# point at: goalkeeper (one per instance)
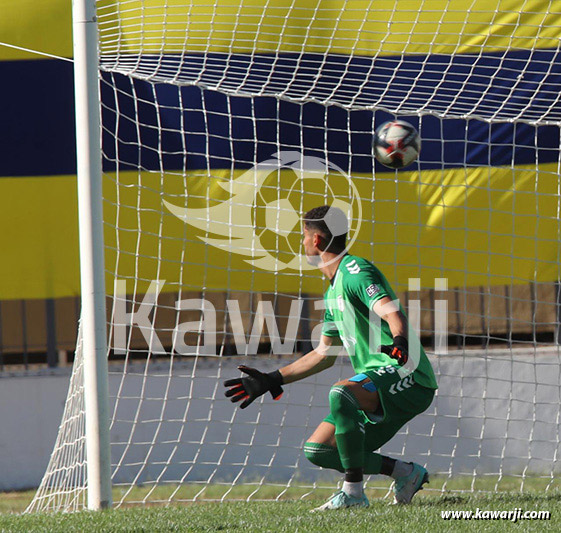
(392, 383)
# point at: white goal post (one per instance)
(205, 130)
(92, 267)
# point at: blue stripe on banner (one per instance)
(506, 83)
(37, 136)
(232, 123)
(38, 122)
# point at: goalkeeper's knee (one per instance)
(345, 410)
(349, 426)
(323, 455)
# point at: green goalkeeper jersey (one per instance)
(349, 314)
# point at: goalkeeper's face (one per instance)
(310, 243)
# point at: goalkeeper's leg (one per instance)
(321, 450)
(339, 442)
(347, 400)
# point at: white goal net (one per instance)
(222, 123)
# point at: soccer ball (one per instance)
(396, 144)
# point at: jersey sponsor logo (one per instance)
(352, 267)
(401, 385)
(373, 289)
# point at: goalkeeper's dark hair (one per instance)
(332, 225)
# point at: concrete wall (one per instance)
(493, 413)
(30, 411)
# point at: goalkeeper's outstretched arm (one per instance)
(311, 363)
(249, 388)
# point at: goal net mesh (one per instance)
(222, 123)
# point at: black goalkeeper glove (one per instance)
(254, 385)
(399, 350)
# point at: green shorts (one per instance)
(401, 399)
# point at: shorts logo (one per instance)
(401, 385)
(371, 290)
(385, 370)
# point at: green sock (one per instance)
(328, 457)
(323, 455)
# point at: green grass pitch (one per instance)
(294, 515)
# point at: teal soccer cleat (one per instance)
(341, 500)
(407, 486)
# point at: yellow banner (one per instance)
(338, 27)
(480, 226)
(343, 27)
(45, 26)
(40, 239)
